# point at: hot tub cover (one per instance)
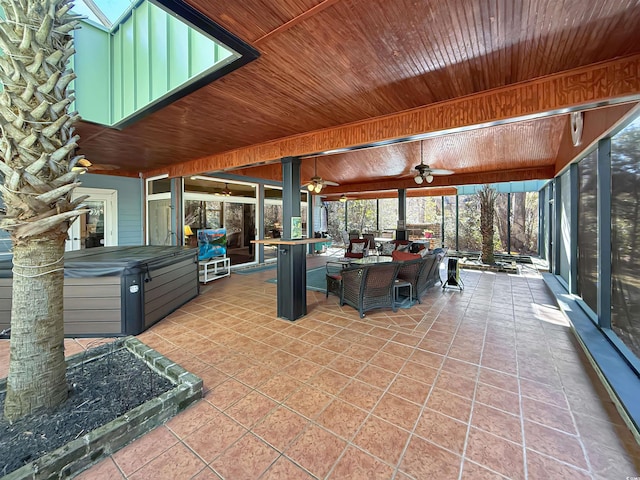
(113, 261)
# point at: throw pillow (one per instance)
(403, 248)
(357, 247)
(424, 252)
(400, 256)
(388, 248)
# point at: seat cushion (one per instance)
(400, 256)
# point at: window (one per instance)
(588, 230)
(625, 232)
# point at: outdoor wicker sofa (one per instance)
(370, 286)
(367, 287)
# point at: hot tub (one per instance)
(111, 291)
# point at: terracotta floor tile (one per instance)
(336, 345)
(461, 386)
(105, 470)
(496, 454)
(174, 464)
(192, 418)
(346, 365)
(227, 393)
(382, 439)
(364, 354)
(328, 381)
(431, 352)
(409, 389)
(279, 387)
(450, 404)
(308, 401)
(419, 372)
(251, 409)
(554, 443)
(554, 417)
(302, 369)
(215, 437)
(543, 393)
(498, 398)
(499, 423)
(358, 465)
(398, 411)
(283, 469)
(423, 459)
(249, 457)
(614, 463)
(541, 467)
(281, 427)
(316, 450)
(207, 474)
(387, 362)
(361, 394)
(342, 418)
(144, 449)
(499, 379)
(402, 351)
(473, 471)
(442, 430)
(458, 367)
(319, 355)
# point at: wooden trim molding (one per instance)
(601, 84)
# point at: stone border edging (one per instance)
(78, 455)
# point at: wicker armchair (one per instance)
(334, 278)
(429, 274)
(363, 251)
(409, 271)
(370, 286)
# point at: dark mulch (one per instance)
(100, 390)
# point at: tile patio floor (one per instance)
(484, 384)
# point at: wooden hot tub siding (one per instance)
(97, 306)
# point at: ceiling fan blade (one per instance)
(440, 171)
(330, 183)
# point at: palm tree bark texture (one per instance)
(487, 208)
(37, 149)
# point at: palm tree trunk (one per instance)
(37, 150)
(37, 367)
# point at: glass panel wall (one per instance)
(469, 237)
(387, 217)
(335, 220)
(424, 218)
(625, 229)
(565, 226)
(361, 216)
(500, 223)
(524, 223)
(588, 230)
(214, 203)
(450, 222)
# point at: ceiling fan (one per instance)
(425, 172)
(317, 183)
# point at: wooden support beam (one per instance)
(516, 175)
(607, 83)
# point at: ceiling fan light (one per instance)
(310, 187)
(429, 178)
(418, 179)
(318, 188)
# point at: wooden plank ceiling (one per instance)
(327, 64)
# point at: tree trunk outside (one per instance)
(37, 366)
(487, 207)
